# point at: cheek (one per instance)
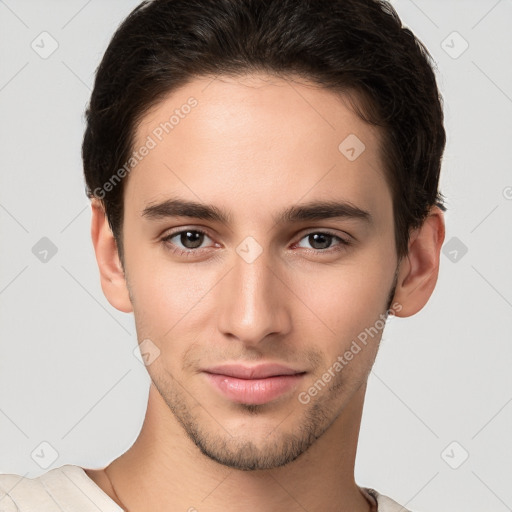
(352, 295)
(170, 302)
(159, 284)
(345, 304)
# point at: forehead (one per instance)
(234, 141)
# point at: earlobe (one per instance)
(419, 270)
(112, 277)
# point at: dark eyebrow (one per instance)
(316, 210)
(319, 210)
(181, 208)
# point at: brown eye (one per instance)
(185, 240)
(321, 241)
(191, 239)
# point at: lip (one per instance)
(260, 371)
(254, 385)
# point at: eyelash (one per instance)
(343, 242)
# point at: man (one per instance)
(264, 185)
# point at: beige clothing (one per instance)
(69, 489)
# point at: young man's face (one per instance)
(258, 289)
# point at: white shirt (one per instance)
(69, 488)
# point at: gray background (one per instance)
(441, 389)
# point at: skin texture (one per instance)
(254, 146)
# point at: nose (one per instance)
(253, 301)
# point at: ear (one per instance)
(113, 282)
(418, 271)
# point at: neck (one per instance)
(164, 470)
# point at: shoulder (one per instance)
(64, 488)
(385, 504)
(19, 492)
